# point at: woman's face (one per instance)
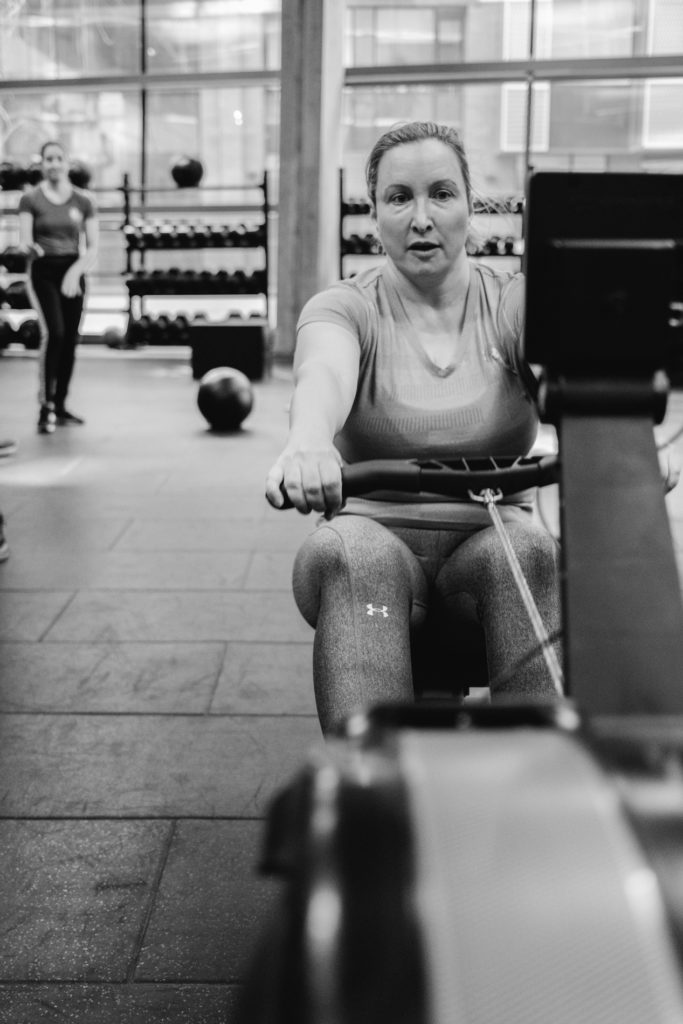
(421, 208)
(54, 162)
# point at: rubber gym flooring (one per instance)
(155, 690)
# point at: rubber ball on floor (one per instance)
(225, 398)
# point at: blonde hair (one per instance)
(416, 131)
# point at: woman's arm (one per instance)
(26, 243)
(326, 366)
(71, 282)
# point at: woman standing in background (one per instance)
(58, 228)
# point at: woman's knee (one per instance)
(480, 565)
(537, 551)
(354, 551)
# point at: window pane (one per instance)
(665, 30)
(101, 128)
(611, 28)
(405, 36)
(43, 39)
(424, 32)
(583, 28)
(233, 132)
(475, 110)
(213, 35)
(620, 125)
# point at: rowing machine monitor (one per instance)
(603, 263)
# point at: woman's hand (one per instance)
(670, 467)
(71, 282)
(32, 250)
(310, 478)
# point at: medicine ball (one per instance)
(187, 172)
(225, 398)
(79, 174)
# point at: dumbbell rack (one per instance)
(355, 244)
(501, 220)
(14, 297)
(233, 341)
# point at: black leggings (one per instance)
(59, 318)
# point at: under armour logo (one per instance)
(382, 610)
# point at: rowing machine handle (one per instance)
(453, 478)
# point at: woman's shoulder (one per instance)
(84, 198)
(30, 197)
(353, 298)
(496, 282)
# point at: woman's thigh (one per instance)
(477, 580)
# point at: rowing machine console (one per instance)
(604, 278)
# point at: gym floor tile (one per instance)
(211, 904)
(39, 566)
(118, 678)
(270, 570)
(170, 570)
(75, 897)
(119, 1004)
(124, 616)
(27, 616)
(62, 518)
(215, 535)
(266, 679)
(139, 766)
(175, 501)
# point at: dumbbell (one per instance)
(28, 333)
(132, 237)
(257, 282)
(158, 332)
(7, 333)
(138, 331)
(13, 260)
(179, 330)
(17, 296)
(149, 236)
(166, 235)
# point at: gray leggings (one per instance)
(367, 589)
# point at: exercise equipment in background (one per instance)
(225, 398)
(28, 333)
(7, 333)
(12, 176)
(80, 174)
(187, 171)
(224, 340)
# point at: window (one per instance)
(662, 122)
(409, 33)
(69, 39)
(513, 117)
(212, 35)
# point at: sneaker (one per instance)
(66, 418)
(7, 448)
(4, 546)
(46, 420)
